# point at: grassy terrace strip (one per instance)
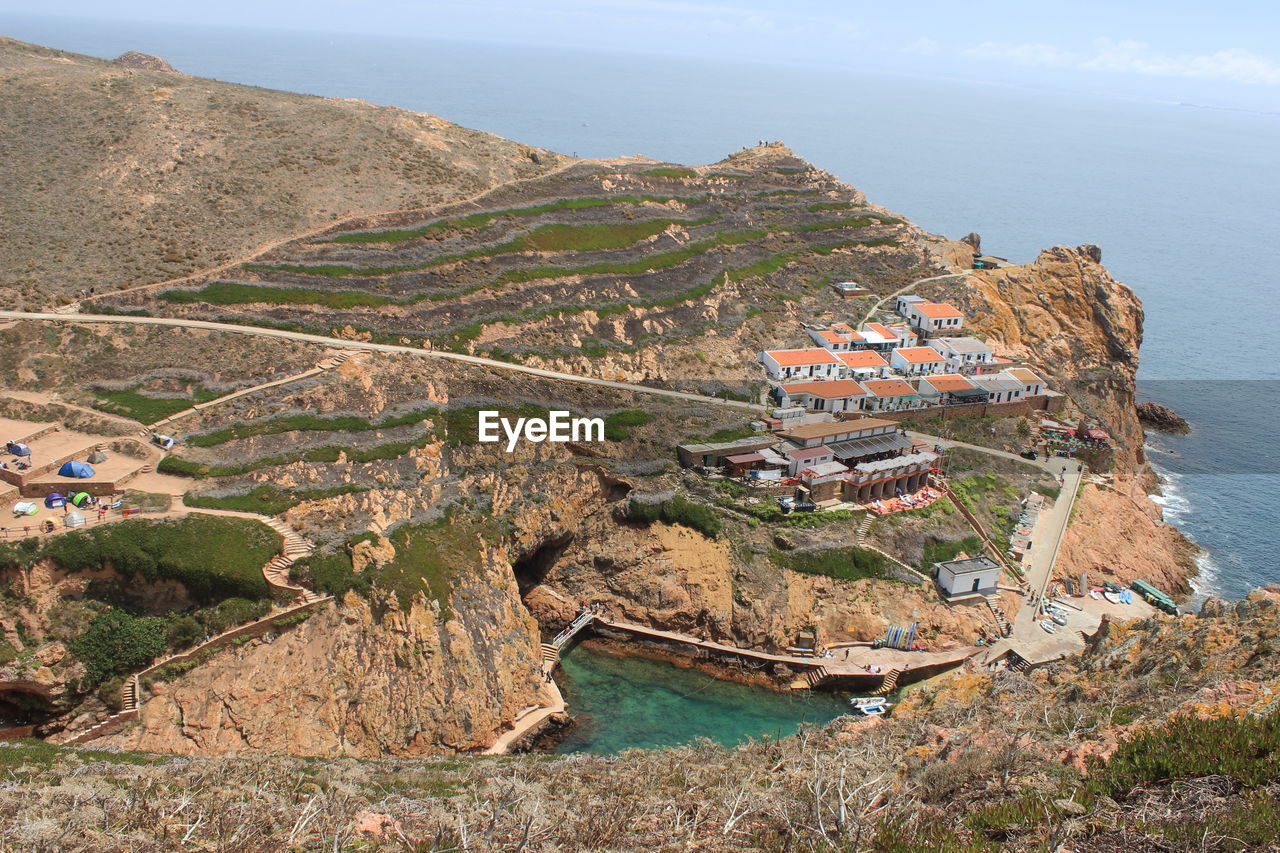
(305, 423)
(546, 238)
(850, 564)
(148, 410)
(236, 293)
(270, 500)
(479, 220)
(391, 450)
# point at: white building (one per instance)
(934, 317)
(841, 395)
(811, 363)
(917, 361)
(967, 577)
(1032, 384)
(962, 352)
(903, 303)
(863, 364)
(999, 387)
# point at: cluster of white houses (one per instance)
(923, 361)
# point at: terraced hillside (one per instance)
(598, 260)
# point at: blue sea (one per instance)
(1183, 200)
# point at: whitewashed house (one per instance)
(933, 318)
(890, 395)
(903, 303)
(916, 361)
(967, 577)
(811, 363)
(841, 395)
(1032, 384)
(999, 387)
(863, 364)
(962, 353)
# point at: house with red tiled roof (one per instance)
(917, 361)
(1031, 383)
(890, 395)
(934, 317)
(809, 363)
(833, 338)
(882, 338)
(863, 364)
(841, 395)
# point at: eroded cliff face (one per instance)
(672, 577)
(1065, 314)
(364, 679)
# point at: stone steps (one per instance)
(890, 682)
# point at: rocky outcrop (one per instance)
(145, 61)
(1162, 418)
(365, 678)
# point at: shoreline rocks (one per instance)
(1159, 417)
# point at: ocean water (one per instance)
(625, 703)
(1182, 200)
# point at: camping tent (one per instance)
(75, 469)
(18, 449)
(96, 456)
(80, 499)
(73, 519)
(53, 500)
(26, 508)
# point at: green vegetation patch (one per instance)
(212, 557)
(391, 450)
(547, 238)
(617, 427)
(238, 293)
(270, 500)
(306, 423)
(479, 220)
(429, 557)
(670, 172)
(848, 564)
(677, 510)
(117, 642)
(148, 410)
(939, 551)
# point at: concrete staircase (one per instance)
(295, 548)
(817, 676)
(1001, 620)
(890, 683)
(550, 656)
(867, 521)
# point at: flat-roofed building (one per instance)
(879, 479)
(968, 577)
(999, 388)
(962, 353)
(1032, 384)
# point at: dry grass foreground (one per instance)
(1129, 748)
(121, 175)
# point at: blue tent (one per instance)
(18, 449)
(53, 500)
(75, 469)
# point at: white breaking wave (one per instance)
(1174, 507)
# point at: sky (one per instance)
(1220, 53)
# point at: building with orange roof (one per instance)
(890, 395)
(949, 388)
(809, 363)
(863, 364)
(1031, 383)
(840, 395)
(934, 317)
(882, 338)
(917, 361)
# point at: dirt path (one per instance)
(883, 299)
(340, 343)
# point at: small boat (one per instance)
(1047, 626)
(1060, 618)
(1111, 596)
(869, 706)
(1093, 593)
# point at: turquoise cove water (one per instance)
(625, 703)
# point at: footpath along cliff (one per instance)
(1067, 316)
